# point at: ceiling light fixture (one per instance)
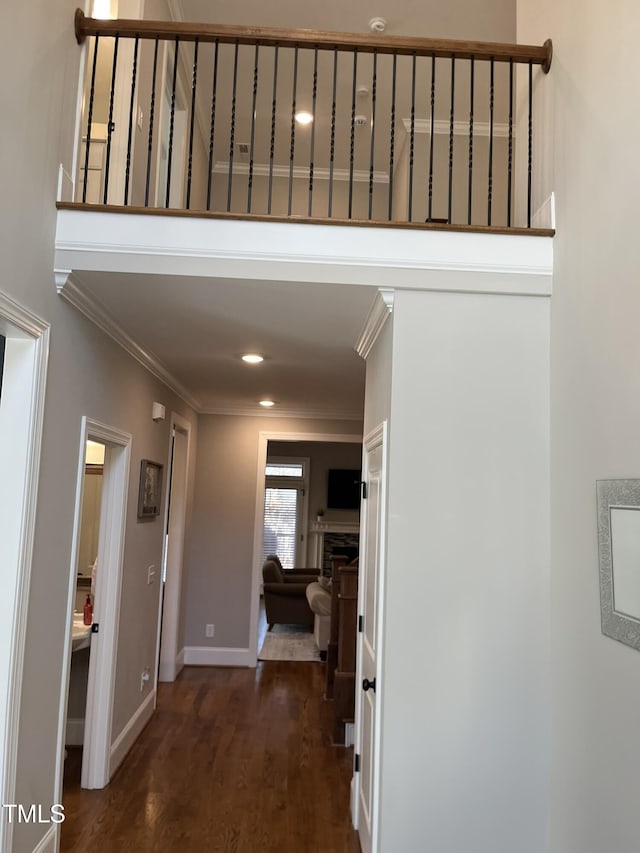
(267, 403)
(304, 117)
(252, 358)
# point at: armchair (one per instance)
(285, 599)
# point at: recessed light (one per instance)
(252, 358)
(267, 403)
(304, 117)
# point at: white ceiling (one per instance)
(198, 327)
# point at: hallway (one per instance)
(235, 760)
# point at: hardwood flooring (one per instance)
(234, 760)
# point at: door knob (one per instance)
(369, 685)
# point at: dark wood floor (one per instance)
(235, 760)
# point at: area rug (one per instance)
(287, 643)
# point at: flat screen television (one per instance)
(343, 490)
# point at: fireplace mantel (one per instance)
(317, 532)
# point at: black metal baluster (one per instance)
(432, 120)
(212, 122)
(332, 151)
(510, 152)
(392, 136)
(110, 126)
(194, 83)
(374, 84)
(313, 128)
(172, 121)
(92, 91)
(293, 128)
(471, 109)
(352, 146)
(412, 136)
(152, 108)
(253, 128)
(451, 132)
(530, 146)
(134, 72)
(273, 127)
(491, 105)
(232, 130)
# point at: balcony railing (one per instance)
(211, 119)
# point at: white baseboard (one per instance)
(545, 215)
(217, 656)
(131, 732)
(74, 735)
(49, 843)
(349, 732)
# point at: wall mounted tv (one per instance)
(343, 491)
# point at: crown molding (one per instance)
(250, 410)
(321, 174)
(379, 313)
(442, 127)
(98, 314)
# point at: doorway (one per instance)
(170, 657)
(96, 757)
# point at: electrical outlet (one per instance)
(151, 574)
(145, 676)
(209, 631)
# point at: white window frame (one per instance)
(272, 481)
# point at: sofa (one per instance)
(285, 599)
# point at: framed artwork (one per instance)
(150, 491)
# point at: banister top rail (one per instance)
(518, 53)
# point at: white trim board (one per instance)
(442, 127)
(49, 843)
(293, 251)
(379, 313)
(26, 360)
(217, 656)
(131, 732)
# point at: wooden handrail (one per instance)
(271, 36)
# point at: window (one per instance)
(284, 511)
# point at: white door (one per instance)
(368, 676)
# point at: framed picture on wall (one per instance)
(150, 491)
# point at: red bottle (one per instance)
(88, 611)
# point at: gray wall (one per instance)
(591, 161)
(221, 552)
(88, 375)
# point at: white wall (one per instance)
(593, 167)
(465, 690)
(88, 375)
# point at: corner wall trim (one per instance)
(216, 656)
(378, 315)
(130, 733)
(88, 305)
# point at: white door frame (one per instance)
(263, 440)
(96, 757)
(21, 420)
(376, 438)
(169, 658)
